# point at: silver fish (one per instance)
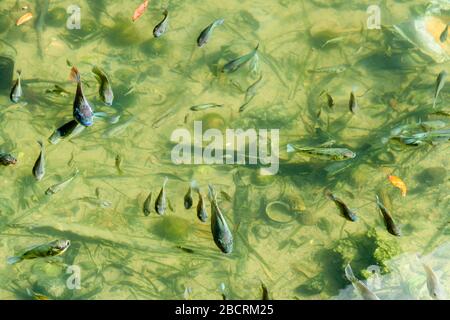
(162, 27)
(105, 90)
(250, 94)
(206, 33)
(206, 106)
(435, 288)
(161, 201)
(440, 82)
(61, 185)
(16, 91)
(362, 289)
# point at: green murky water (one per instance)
(287, 233)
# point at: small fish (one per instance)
(346, 212)
(250, 93)
(362, 289)
(162, 27)
(226, 196)
(61, 185)
(140, 11)
(82, 111)
(388, 220)
(333, 69)
(187, 250)
(435, 289)
(58, 90)
(330, 101)
(353, 104)
(265, 292)
(147, 204)
(118, 163)
(25, 18)
(202, 215)
(336, 154)
(64, 131)
(16, 91)
(161, 201)
(206, 106)
(188, 201)
(115, 130)
(204, 36)
(222, 235)
(39, 165)
(440, 82)
(444, 34)
(397, 182)
(36, 295)
(235, 64)
(105, 90)
(7, 159)
(53, 248)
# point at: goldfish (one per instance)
(397, 182)
(26, 17)
(140, 11)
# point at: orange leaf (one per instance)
(26, 17)
(140, 10)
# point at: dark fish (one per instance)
(440, 82)
(235, 64)
(388, 220)
(222, 235)
(64, 131)
(161, 201)
(147, 204)
(50, 249)
(353, 104)
(105, 90)
(202, 215)
(330, 100)
(265, 292)
(16, 91)
(346, 212)
(39, 165)
(204, 36)
(118, 163)
(162, 27)
(187, 250)
(188, 201)
(444, 34)
(7, 159)
(82, 111)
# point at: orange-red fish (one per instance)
(397, 182)
(140, 10)
(26, 17)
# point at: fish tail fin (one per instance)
(19, 72)
(13, 260)
(219, 22)
(211, 192)
(166, 11)
(290, 148)
(75, 74)
(194, 185)
(349, 273)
